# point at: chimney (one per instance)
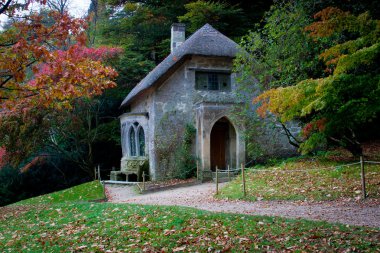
(178, 36)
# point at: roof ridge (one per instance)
(206, 41)
(204, 30)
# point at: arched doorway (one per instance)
(223, 145)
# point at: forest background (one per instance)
(55, 147)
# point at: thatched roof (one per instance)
(207, 41)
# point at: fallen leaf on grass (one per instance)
(242, 239)
(179, 248)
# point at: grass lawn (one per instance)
(64, 222)
(84, 192)
(101, 227)
(285, 181)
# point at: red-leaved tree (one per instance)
(45, 66)
(47, 62)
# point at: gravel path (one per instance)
(201, 196)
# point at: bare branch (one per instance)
(59, 5)
(5, 6)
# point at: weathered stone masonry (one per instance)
(195, 82)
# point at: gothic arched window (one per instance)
(132, 142)
(141, 142)
(136, 140)
(124, 136)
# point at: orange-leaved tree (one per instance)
(344, 106)
(47, 63)
(45, 66)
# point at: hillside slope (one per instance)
(79, 226)
(329, 176)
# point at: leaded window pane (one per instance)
(201, 80)
(132, 142)
(142, 142)
(124, 137)
(224, 82)
(212, 81)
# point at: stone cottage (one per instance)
(196, 84)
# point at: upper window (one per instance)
(212, 81)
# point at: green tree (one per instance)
(145, 25)
(344, 106)
(142, 27)
(75, 136)
(275, 53)
(223, 16)
(278, 53)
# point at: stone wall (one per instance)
(178, 98)
(178, 94)
(273, 141)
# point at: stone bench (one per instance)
(117, 175)
(132, 169)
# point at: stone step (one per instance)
(113, 182)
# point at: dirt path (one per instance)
(201, 197)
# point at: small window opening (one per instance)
(212, 81)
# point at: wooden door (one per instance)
(219, 135)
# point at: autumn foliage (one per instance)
(48, 63)
(2, 156)
(345, 105)
(45, 67)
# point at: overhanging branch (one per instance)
(291, 137)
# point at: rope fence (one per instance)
(372, 162)
(229, 170)
(307, 170)
(303, 170)
(362, 163)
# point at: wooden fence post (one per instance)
(99, 178)
(363, 177)
(143, 178)
(243, 177)
(197, 170)
(217, 186)
(228, 171)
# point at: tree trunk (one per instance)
(355, 149)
